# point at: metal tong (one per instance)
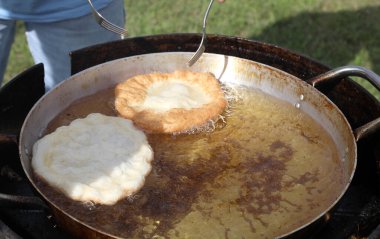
(107, 24)
(202, 45)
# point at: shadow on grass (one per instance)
(333, 38)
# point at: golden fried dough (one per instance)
(170, 102)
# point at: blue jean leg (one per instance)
(7, 35)
(51, 43)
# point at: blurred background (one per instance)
(333, 32)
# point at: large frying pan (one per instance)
(226, 68)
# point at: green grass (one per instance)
(334, 32)
(20, 58)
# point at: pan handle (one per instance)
(347, 71)
(21, 202)
(8, 138)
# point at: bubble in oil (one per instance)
(297, 105)
(132, 198)
(212, 125)
(223, 119)
(302, 97)
(89, 205)
(229, 111)
(209, 127)
(231, 94)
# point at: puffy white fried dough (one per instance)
(98, 158)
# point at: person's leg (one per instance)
(51, 43)
(7, 34)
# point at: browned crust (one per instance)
(132, 92)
